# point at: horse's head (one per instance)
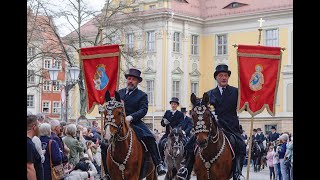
(175, 141)
(114, 115)
(203, 119)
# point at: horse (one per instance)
(173, 152)
(125, 154)
(213, 158)
(256, 154)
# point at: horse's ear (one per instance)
(107, 96)
(117, 96)
(205, 98)
(193, 99)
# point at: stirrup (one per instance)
(182, 173)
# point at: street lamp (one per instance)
(72, 79)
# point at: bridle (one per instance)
(176, 144)
(110, 106)
(109, 119)
(201, 127)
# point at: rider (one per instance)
(259, 138)
(171, 118)
(136, 107)
(273, 136)
(224, 98)
(186, 124)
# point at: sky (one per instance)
(64, 27)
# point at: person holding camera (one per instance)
(72, 140)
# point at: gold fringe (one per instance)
(259, 55)
(100, 55)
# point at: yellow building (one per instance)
(185, 40)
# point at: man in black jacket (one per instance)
(171, 118)
(186, 124)
(273, 136)
(136, 107)
(224, 98)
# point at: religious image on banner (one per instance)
(259, 69)
(101, 72)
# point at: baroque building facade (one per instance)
(184, 41)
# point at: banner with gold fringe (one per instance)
(101, 72)
(259, 70)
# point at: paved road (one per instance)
(262, 175)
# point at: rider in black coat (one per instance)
(136, 107)
(186, 124)
(171, 118)
(224, 98)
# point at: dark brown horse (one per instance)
(125, 153)
(213, 158)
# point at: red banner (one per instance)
(259, 69)
(101, 72)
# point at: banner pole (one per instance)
(102, 122)
(249, 152)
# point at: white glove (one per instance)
(184, 133)
(129, 118)
(166, 122)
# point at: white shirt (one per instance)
(79, 175)
(38, 145)
(131, 91)
(173, 111)
(220, 89)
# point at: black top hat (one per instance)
(183, 109)
(174, 99)
(222, 68)
(134, 72)
(273, 127)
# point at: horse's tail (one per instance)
(174, 171)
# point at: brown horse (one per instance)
(125, 154)
(213, 158)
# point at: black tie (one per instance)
(223, 89)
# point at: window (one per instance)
(195, 88)
(112, 39)
(272, 37)
(56, 107)
(150, 91)
(234, 5)
(268, 128)
(31, 51)
(150, 41)
(194, 44)
(30, 76)
(221, 44)
(176, 42)
(57, 64)
(176, 89)
(46, 107)
(135, 9)
(30, 100)
(130, 42)
(46, 86)
(47, 63)
(56, 86)
(152, 6)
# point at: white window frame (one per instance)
(151, 41)
(271, 37)
(195, 87)
(194, 46)
(47, 63)
(223, 45)
(176, 88)
(152, 6)
(176, 42)
(56, 109)
(49, 109)
(30, 76)
(56, 86)
(150, 91)
(47, 86)
(31, 51)
(130, 41)
(58, 63)
(30, 101)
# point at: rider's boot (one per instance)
(185, 172)
(155, 155)
(237, 172)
